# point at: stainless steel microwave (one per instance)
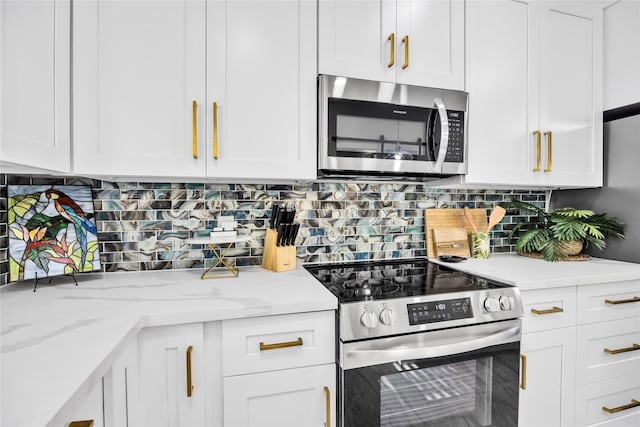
(386, 130)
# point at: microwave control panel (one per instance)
(455, 149)
(439, 311)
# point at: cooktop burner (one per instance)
(386, 279)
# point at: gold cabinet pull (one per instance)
(547, 311)
(523, 372)
(295, 343)
(405, 41)
(189, 383)
(536, 133)
(327, 404)
(392, 47)
(195, 129)
(549, 151)
(215, 130)
(83, 423)
(633, 347)
(622, 301)
(634, 403)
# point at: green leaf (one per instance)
(573, 213)
(21, 204)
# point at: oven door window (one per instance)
(473, 389)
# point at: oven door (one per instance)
(465, 376)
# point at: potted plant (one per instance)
(562, 233)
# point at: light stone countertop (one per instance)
(54, 341)
(528, 273)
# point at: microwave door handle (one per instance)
(444, 135)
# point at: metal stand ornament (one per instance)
(72, 275)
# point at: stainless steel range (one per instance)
(420, 344)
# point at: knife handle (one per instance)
(280, 235)
(274, 215)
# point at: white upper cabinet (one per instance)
(571, 94)
(261, 75)
(621, 53)
(141, 107)
(138, 67)
(502, 94)
(405, 41)
(35, 84)
(535, 94)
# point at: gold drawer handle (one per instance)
(327, 405)
(634, 404)
(536, 133)
(215, 130)
(549, 152)
(189, 380)
(633, 347)
(523, 378)
(622, 301)
(194, 106)
(405, 41)
(295, 343)
(83, 423)
(392, 53)
(548, 311)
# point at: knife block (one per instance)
(277, 258)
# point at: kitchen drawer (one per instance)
(593, 363)
(608, 301)
(546, 309)
(287, 341)
(613, 393)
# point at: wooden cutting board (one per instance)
(451, 241)
(451, 218)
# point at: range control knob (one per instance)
(369, 319)
(386, 316)
(491, 304)
(505, 303)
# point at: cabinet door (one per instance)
(34, 84)
(138, 67)
(164, 398)
(355, 39)
(261, 73)
(434, 56)
(503, 109)
(89, 405)
(302, 397)
(120, 389)
(547, 389)
(571, 93)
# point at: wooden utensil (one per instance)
(467, 214)
(451, 241)
(496, 216)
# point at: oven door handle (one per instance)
(428, 345)
(444, 135)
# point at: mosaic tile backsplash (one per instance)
(144, 226)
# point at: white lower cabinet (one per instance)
(548, 352)
(171, 376)
(291, 397)
(611, 403)
(88, 408)
(120, 388)
(547, 384)
(580, 362)
(279, 371)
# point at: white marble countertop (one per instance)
(56, 339)
(528, 273)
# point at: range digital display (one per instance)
(439, 311)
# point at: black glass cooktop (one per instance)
(385, 279)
